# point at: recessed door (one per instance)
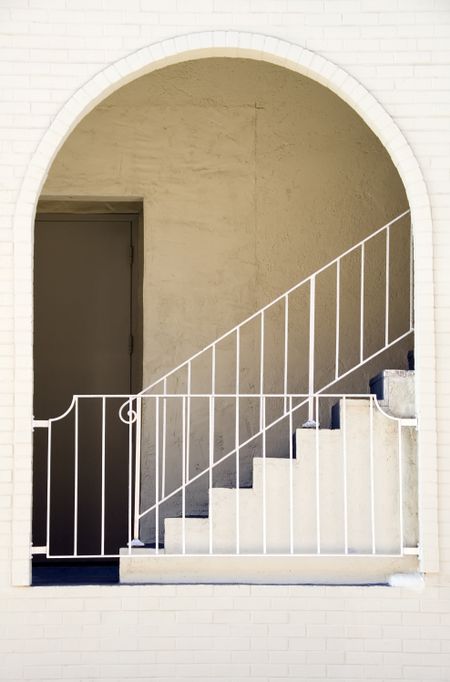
(85, 318)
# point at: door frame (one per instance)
(56, 208)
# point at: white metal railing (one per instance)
(351, 496)
(183, 436)
(379, 494)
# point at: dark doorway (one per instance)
(87, 341)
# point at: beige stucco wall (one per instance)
(251, 177)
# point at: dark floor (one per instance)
(75, 572)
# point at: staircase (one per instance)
(284, 495)
(349, 493)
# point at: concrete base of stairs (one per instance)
(144, 566)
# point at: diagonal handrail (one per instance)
(309, 279)
(268, 425)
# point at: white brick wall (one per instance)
(57, 59)
(227, 632)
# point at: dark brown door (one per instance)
(84, 319)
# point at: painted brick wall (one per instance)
(399, 50)
(231, 633)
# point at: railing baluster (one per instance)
(338, 315)
(286, 349)
(386, 322)
(361, 306)
(344, 470)
(188, 421)
(237, 419)
(164, 438)
(261, 369)
(103, 474)
(212, 410)
(130, 474)
(317, 451)
(400, 485)
(137, 471)
(264, 482)
(210, 476)
(372, 474)
(183, 474)
(312, 315)
(75, 485)
(213, 369)
(291, 480)
(49, 485)
(157, 476)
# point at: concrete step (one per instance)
(143, 566)
(196, 533)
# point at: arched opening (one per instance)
(391, 194)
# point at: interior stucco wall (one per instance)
(251, 177)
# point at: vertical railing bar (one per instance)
(130, 473)
(75, 498)
(344, 467)
(164, 438)
(264, 510)
(411, 279)
(188, 422)
(291, 481)
(103, 474)
(261, 369)
(49, 467)
(372, 479)
(157, 476)
(211, 462)
(137, 469)
(361, 306)
(213, 370)
(286, 349)
(312, 311)
(386, 323)
(237, 436)
(212, 408)
(400, 485)
(183, 473)
(338, 314)
(317, 453)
